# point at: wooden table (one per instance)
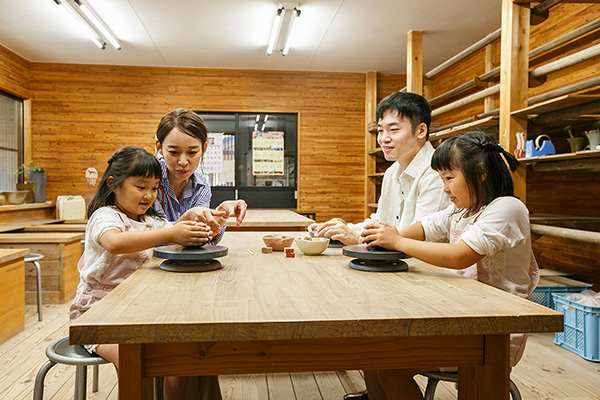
(270, 220)
(265, 313)
(12, 292)
(61, 251)
(10, 214)
(59, 227)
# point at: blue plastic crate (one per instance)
(582, 328)
(543, 292)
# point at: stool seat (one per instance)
(61, 352)
(434, 377)
(31, 257)
(35, 258)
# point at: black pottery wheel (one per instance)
(375, 259)
(190, 259)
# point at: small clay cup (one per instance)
(576, 143)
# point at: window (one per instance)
(11, 139)
(254, 158)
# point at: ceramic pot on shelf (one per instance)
(594, 138)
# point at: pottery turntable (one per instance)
(190, 259)
(375, 259)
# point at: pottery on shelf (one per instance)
(16, 197)
(594, 138)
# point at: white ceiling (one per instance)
(330, 35)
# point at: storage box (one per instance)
(70, 207)
(555, 284)
(582, 328)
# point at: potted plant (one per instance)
(34, 179)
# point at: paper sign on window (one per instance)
(212, 160)
(267, 153)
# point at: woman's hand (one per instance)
(190, 233)
(382, 235)
(234, 208)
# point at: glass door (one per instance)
(253, 158)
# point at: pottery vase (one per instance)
(39, 178)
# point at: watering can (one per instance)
(536, 149)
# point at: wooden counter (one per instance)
(12, 292)
(60, 227)
(270, 220)
(59, 267)
(265, 313)
(26, 212)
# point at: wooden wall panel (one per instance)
(388, 84)
(14, 73)
(80, 111)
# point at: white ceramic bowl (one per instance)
(312, 247)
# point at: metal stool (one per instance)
(60, 351)
(35, 260)
(435, 377)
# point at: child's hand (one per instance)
(382, 235)
(190, 233)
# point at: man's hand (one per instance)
(382, 235)
(336, 230)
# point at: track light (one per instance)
(93, 25)
(282, 28)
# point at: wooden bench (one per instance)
(61, 251)
(12, 292)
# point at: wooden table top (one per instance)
(261, 296)
(62, 227)
(256, 217)
(12, 254)
(41, 237)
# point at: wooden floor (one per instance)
(546, 372)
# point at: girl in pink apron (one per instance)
(486, 233)
(121, 231)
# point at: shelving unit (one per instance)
(379, 165)
(481, 124)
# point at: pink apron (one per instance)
(478, 272)
(120, 267)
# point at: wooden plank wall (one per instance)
(80, 111)
(14, 73)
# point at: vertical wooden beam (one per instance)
(414, 62)
(370, 139)
(514, 64)
(132, 383)
(490, 63)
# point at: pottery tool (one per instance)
(190, 259)
(375, 259)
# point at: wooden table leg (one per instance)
(491, 381)
(132, 384)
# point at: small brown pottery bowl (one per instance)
(278, 242)
(16, 197)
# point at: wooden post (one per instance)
(370, 139)
(490, 64)
(514, 63)
(414, 62)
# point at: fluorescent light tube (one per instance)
(99, 24)
(275, 31)
(91, 33)
(286, 46)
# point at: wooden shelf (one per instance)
(457, 130)
(558, 103)
(372, 205)
(376, 175)
(372, 127)
(585, 160)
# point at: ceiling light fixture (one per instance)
(282, 28)
(93, 25)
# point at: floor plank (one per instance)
(546, 372)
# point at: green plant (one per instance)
(26, 168)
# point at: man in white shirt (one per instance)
(410, 189)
